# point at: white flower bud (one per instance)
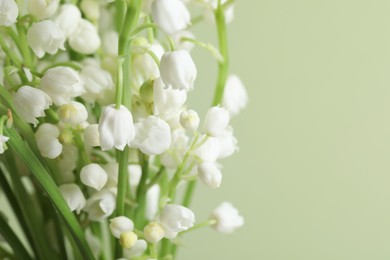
(31, 103)
(227, 143)
(68, 19)
(235, 97)
(178, 70)
(175, 154)
(45, 36)
(128, 239)
(47, 140)
(62, 84)
(43, 9)
(96, 81)
(229, 12)
(167, 100)
(93, 175)
(73, 113)
(3, 140)
(144, 64)
(91, 9)
(101, 205)
(85, 39)
(152, 202)
(8, 12)
(116, 128)
(137, 250)
(91, 135)
(73, 197)
(154, 232)
(175, 219)
(209, 151)
(171, 15)
(189, 120)
(216, 121)
(227, 218)
(210, 174)
(120, 224)
(152, 135)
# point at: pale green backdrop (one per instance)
(312, 177)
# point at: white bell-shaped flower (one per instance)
(227, 143)
(178, 70)
(62, 84)
(216, 121)
(209, 151)
(96, 82)
(209, 13)
(167, 100)
(128, 239)
(31, 103)
(152, 135)
(175, 218)
(68, 19)
(227, 218)
(94, 176)
(189, 120)
(175, 154)
(43, 9)
(91, 9)
(235, 97)
(152, 202)
(73, 113)
(45, 36)
(145, 66)
(91, 135)
(85, 39)
(8, 12)
(73, 197)
(47, 140)
(154, 232)
(120, 224)
(116, 128)
(137, 250)
(101, 204)
(210, 174)
(171, 15)
(3, 140)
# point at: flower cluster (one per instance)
(93, 103)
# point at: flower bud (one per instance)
(178, 70)
(120, 224)
(171, 15)
(235, 97)
(62, 84)
(116, 128)
(73, 113)
(210, 174)
(128, 239)
(91, 135)
(3, 140)
(91, 9)
(227, 143)
(45, 36)
(152, 135)
(93, 175)
(174, 219)
(154, 232)
(47, 140)
(101, 204)
(189, 120)
(167, 100)
(8, 12)
(68, 19)
(175, 154)
(227, 218)
(137, 250)
(73, 197)
(145, 66)
(216, 120)
(152, 202)
(85, 39)
(43, 9)
(31, 103)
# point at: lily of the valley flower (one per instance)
(120, 224)
(94, 176)
(85, 39)
(210, 174)
(91, 135)
(216, 121)
(30, 103)
(178, 70)
(171, 15)
(8, 12)
(174, 219)
(47, 140)
(227, 218)
(189, 120)
(96, 81)
(3, 140)
(73, 197)
(73, 113)
(154, 232)
(235, 97)
(116, 128)
(43, 9)
(167, 101)
(45, 37)
(68, 18)
(101, 204)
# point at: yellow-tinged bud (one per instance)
(154, 232)
(127, 239)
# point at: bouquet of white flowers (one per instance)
(95, 134)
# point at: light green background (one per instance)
(312, 177)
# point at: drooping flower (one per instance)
(167, 101)
(91, 9)
(31, 103)
(93, 175)
(227, 142)
(116, 128)
(101, 204)
(91, 135)
(235, 97)
(120, 224)
(8, 12)
(96, 82)
(73, 113)
(174, 219)
(210, 174)
(68, 19)
(45, 37)
(171, 15)
(227, 218)
(189, 120)
(153, 232)
(47, 140)
(216, 121)
(43, 9)
(85, 39)
(73, 196)
(178, 70)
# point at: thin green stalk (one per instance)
(122, 181)
(25, 50)
(189, 193)
(141, 194)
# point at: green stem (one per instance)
(9, 53)
(141, 194)
(24, 46)
(4, 254)
(189, 193)
(122, 181)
